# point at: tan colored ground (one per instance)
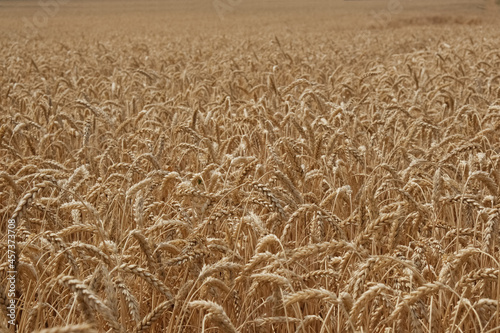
(217, 14)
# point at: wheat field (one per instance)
(244, 176)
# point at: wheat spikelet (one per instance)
(131, 300)
(97, 111)
(296, 194)
(80, 328)
(256, 260)
(8, 178)
(80, 173)
(275, 320)
(372, 292)
(264, 241)
(146, 248)
(147, 276)
(490, 230)
(269, 195)
(219, 315)
(314, 249)
(485, 306)
(62, 246)
(211, 282)
(94, 250)
(485, 179)
(377, 225)
(482, 274)
(28, 197)
(76, 229)
(309, 294)
(153, 316)
(446, 273)
(410, 299)
(271, 278)
(27, 271)
(91, 300)
(223, 264)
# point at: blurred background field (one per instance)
(228, 16)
